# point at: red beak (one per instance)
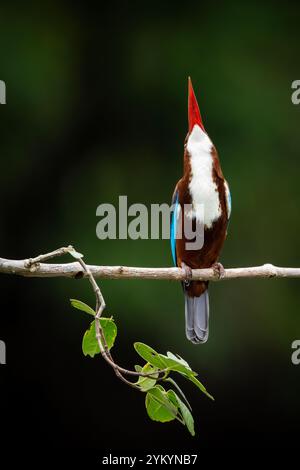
(194, 111)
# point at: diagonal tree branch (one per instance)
(100, 306)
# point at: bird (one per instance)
(202, 199)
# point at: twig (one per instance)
(100, 306)
(33, 265)
(35, 262)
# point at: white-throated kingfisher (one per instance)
(202, 186)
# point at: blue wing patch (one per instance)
(228, 199)
(173, 230)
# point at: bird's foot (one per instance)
(219, 270)
(188, 274)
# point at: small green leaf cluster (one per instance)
(163, 403)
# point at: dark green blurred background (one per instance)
(97, 108)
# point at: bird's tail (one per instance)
(197, 317)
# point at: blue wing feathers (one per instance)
(228, 199)
(174, 227)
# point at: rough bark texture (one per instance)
(73, 270)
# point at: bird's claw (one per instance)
(219, 270)
(188, 274)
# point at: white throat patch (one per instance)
(203, 189)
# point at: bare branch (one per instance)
(33, 263)
(34, 268)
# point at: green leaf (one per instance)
(110, 331)
(176, 365)
(160, 387)
(171, 362)
(159, 406)
(82, 306)
(138, 368)
(172, 381)
(145, 383)
(185, 412)
(201, 387)
(178, 359)
(150, 355)
(90, 345)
